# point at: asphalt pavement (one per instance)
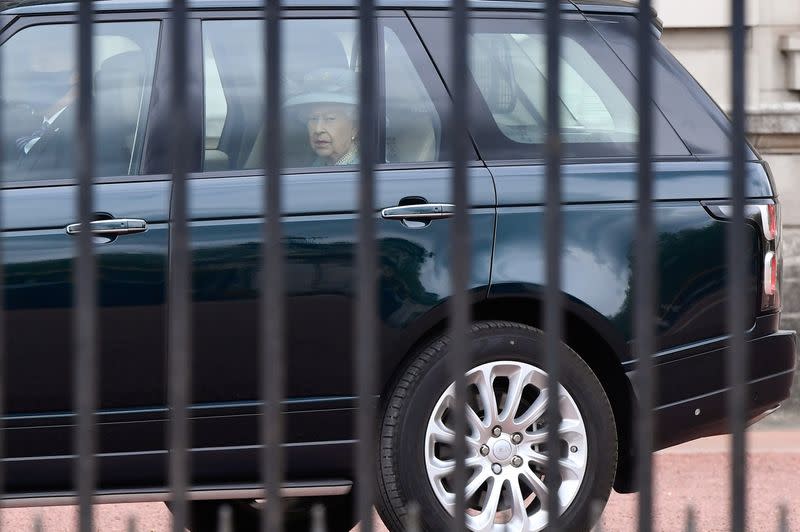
(695, 474)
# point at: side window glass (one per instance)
(321, 64)
(40, 99)
(233, 91)
(413, 126)
(216, 108)
(510, 71)
(320, 91)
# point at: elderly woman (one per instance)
(327, 103)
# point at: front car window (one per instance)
(40, 90)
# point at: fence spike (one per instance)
(318, 518)
(38, 526)
(412, 518)
(597, 516)
(225, 518)
(691, 526)
(783, 518)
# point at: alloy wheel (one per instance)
(507, 450)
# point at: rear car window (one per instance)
(702, 125)
(510, 71)
(507, 62)
(39, 90)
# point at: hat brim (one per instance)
(320, 97)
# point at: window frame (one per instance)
(27, 21)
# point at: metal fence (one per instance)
(273, 297)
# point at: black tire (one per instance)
(339, 514)
(402, 476)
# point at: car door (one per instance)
(39, 204)
(319, 228)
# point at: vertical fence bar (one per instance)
(553, 318)
(272, 295)
(690, 520)
(85, 316)
(179, 372)
(737, 262)
(459, 237)
(366, 333)
(783, 518)
(2, 311)
(645, 274)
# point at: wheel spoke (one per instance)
(484, 521)
(537, 458)
(536, 484)
(567, 426)
(439, 468)
(520, 509)
(474, 421)
(477, 480)
(534, 412)
(574, 469)
(516, 383)
(441, 433)
(483, 380)
(475, 460)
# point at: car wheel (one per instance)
(339, 514)
(506, 436)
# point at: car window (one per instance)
(508, 67)
(39, 98)
(699, 121)
(320, 67)
(510, 71)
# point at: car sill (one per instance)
(323, 488)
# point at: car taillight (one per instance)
(770, 273)
(771, 225)
(769, 221)
(773, 221)
(765, 214)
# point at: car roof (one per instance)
(21, 7)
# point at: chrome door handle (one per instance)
(424, 211)
(113, 227)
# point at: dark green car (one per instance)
(507, 454)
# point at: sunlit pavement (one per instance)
(694, 474)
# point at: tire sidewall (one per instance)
(515, 343)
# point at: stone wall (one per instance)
(790, 318)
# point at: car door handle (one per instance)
(113, 227)
(423, 211)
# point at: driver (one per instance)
(46, 145)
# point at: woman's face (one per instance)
(331, 130)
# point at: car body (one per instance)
(506, 174)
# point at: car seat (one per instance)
(119, 89)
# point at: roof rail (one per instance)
(626, 6)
